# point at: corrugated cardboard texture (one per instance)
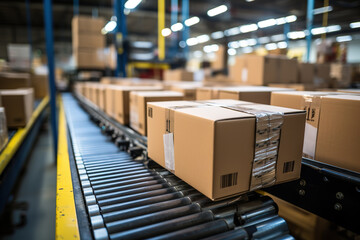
(14, 80)
(89, 58)
(88, 40)
(86, 24)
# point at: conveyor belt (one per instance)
(133, 199)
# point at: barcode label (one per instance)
(150, 112)
(289, 166)
(228, 180)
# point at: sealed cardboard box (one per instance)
(18, 106)
(222, 165)
(88, 40)
(118, 100)
(86, 24)
(178, 75)
(306, 73)
(340, 74)
(350, 90)
(3, 128)
(40, 84)
(206, 93)
(220, 58)
(322, 75)
(256, 94)
(85, 58)
(295, 86)
(138, 106)
(188, 91)
(9, 80)
(331, 115)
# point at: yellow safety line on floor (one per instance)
(66, 220)
(19, 136)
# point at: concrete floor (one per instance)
(38, 188)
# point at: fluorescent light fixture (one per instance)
(243, 43)
(217, 35)
(131, 4)
(248, 28)
(231, 51)
(345, 38)
(321, 10)
(142, 56)
(271, 46)
(333, 28)
(110, 26)
(198, 54)
(278, 37)
(280, 21)
(291, 18)
(251, 41)
(216, 11)
(166, 32)
(264, 40)
(282, 45)
(296, 34)
(232, 31)
(192, 41)
(177, 27)
(182, 44)
(355, 25)
(211, 48)
(142, 44)
(192, 21)
(267, 23)
(203, 38)
(233, 44)
(247, 50)
(249, 0)
(319, 30)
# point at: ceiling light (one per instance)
(264, 40)
(333, 28)
(211, 48)
(249, 0)
(203, 38)
(355, 25)
(110, 26)
(142, 44)
(345, 38)
(166, 32)
(278, 37)
(319, 30)
(296, 34)
(192, 21)
(232, 31)
(233, 44)
(182, 44)
(217, 35)
(322, 10)
(243, 43)
(247, 50)
(282, 45)
(192, 41)
(291, 18)
(198, 54)
(251, 41)
(231, 51)
(131, 4)
(177, 27)
(248, 28)
(280, 21)
(267, 23)
(271, 46)
(216, 11)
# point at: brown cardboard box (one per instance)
(40, 84)
(118, 100)
(189, 92)
(340, 74)
(306, 73)
(221, 166)
(9, 80)
(256, 94)
(3, 128)
(138, 106)
(85, 58)
(88, 40)
(262, 70)
(350, 90)
(87, 24)
(332, 127)
(178, 75)
(295, 86)
(322, 75)
(206, 93)
(220, 58)
(18, 106)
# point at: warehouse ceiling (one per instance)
(142, 21)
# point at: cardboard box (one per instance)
(189, 92)
(138, 106)
(93, 58)
(332, 129)
(18, 106)
(350, 90)
(3, 128)
(220, 58)
(322, 75)
(306, 73)
(221, 166)
(86, 24)
(207, 93)
(9, 80)
(295, 86)
(118, 100)
(340, 74)
(178, 75)
(262, 70)
(40, 84)
(256, 94)
(88, 40)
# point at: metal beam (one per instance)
(186, 31)
(309, 25)
(51, 68)
(120, 38)
(161, 26)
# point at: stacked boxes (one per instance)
(14, 80)
(340, 74)
(332, 125)
(178, 75)
(40, 84)
(88, 42)
(223, 164)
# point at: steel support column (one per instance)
(161, 26)
(186, 31)
(309, 25)
(29, 31)
(174, 19)
(120, 38)
(51, 68)
(76, 7)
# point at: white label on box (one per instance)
(244, 75)
(310, 140)
(169, 151)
